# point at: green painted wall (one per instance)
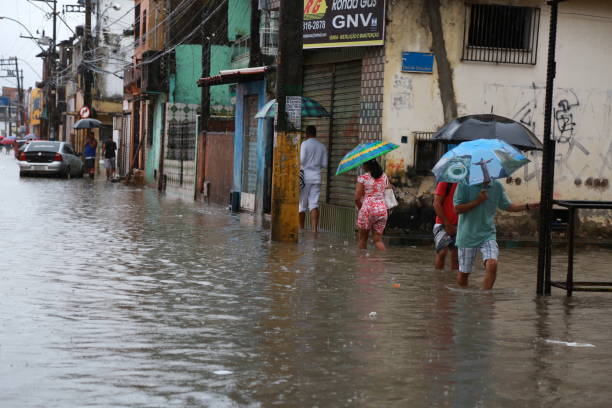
(221, 95)
(153, 151)
(239, 18)
(188, 71)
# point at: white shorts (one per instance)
(309, 197)
(489, 250)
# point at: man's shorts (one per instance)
(489, 250)
(309, 197)
(442, 239)
(110, 163)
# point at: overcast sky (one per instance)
(33, 14)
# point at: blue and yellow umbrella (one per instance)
(363, 153)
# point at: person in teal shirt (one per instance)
(477, 206)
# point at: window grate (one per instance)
(427, 152)
(501, 34)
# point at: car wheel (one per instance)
(67, 174)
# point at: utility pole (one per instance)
(285, 193)
(19, 96)
(548, 161)
(86, 47)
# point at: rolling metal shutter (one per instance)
(318, 84)
(344, 130)
(338, 88)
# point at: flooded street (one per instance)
(111, 296)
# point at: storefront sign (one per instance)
(417, 62)
(343, 23)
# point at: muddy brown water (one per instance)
(111, 296)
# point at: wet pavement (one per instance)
(111, 296)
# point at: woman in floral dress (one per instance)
(370, 200)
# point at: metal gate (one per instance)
(337, 87)
(249, 147)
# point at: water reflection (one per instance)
(115, 296)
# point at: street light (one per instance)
(26, 28)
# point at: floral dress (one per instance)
(373, 212)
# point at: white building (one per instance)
(491, 56)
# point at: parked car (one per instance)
(49, 158)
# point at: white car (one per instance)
(49, 158)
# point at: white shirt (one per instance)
(313, 158)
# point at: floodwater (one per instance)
(111, 296)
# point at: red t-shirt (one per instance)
(447, 205)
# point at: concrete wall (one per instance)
(153, 151)
(582, 100)
(220, 95)
(188, 71)
(239, 19)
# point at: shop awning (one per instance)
(232, 76)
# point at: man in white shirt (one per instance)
(313, 158)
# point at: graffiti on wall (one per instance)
(575, 126)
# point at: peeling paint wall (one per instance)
(582, 118)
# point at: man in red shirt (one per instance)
(445, 228)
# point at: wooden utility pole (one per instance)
(285, 192)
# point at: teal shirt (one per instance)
(478, 225)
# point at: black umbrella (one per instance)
(489, 126)
(87, 124)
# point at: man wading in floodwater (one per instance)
(313, 158)
(476, 206)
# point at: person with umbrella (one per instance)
(89, 152)
(370, 190)
(476, 166)
(370, 200)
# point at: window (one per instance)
(144, 27)
(501, 34)
(137, 24)
(427, 152)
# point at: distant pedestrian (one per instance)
(477, 206)
(370, 201)
(89, 153)
(313, 159)
(108, 149)
(445, 227)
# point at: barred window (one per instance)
(501, 34)
(427, 152)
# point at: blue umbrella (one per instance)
(479, 161)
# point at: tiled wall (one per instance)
(372, 75)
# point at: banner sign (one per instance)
(343, 23)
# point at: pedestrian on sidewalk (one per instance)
(445, 228)
(370, 201)
(89, 153)
(313, 158)
(477, 205)
(108, 149)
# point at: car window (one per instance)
(68, 149)
(44, 147)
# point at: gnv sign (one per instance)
(343, 23)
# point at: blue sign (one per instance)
(4, 101)
(417, 62)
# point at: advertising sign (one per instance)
(417, 62)
(343, 23)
